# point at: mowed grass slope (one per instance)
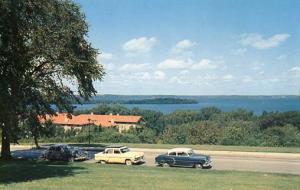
(81, 176)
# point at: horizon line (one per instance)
(197, 95)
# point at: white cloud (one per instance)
(174, 64)
(228, 77)
(109, 66)
(247, 79)
(134, 67)
(159, 75)
(281, 57)
(256, 68)
(274, 80)
(295, 70)
(259, 42)
(183, 45)
(207, 77)
(139, 45)
(203, 65)
(239, 51)
(137, 76)
(184, 72)
(177, 80)
(105, 56)
(140, 76)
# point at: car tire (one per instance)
(165, 165)
(198, 166)
(128, 162)
(102, 162)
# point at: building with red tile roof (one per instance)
(68, 121)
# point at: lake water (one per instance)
(255, 104)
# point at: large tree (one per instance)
(45, 59)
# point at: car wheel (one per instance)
(128, 162)
(165, 165)
(102, 162)
(197, 166)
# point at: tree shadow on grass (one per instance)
(15, 171)
(30, 154)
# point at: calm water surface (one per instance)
(256, 105)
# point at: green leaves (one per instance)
(45, 57)
(47, 51)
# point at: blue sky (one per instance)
(207, 47)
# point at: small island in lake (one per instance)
(162, 101)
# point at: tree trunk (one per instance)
(5, 148)
(35, 137)
(10, 123)
(36, 142)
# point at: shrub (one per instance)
(281, 136)
(202, 133)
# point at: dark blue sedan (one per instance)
(184, 157)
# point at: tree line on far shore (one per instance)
(204, 126)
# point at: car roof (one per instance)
(179, 150)
(115, 146)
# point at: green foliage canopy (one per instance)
(43, 52)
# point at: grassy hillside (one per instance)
(81, 176)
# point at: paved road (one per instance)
(284, 164)
(289, 166)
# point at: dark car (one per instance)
(184, 157)
(63, 152)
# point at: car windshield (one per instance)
(123, 150)
(191, 152)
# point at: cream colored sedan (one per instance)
(119, 154)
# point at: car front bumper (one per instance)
(207, 164)
(139, 160)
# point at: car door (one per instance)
(116, 157)
(57, 154)
(108, 154)
(50, 153)
(183, 159)
(171, 158)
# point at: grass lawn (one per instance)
(204, 147)
(81, 176)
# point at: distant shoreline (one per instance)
(257, 105)
(163, 99)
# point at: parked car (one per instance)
(61, 152)
(184, 157)
(119, 154)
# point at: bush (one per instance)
(202, 133)
(240, 133)
(174, 135)
(281, 136)
(145, 135)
